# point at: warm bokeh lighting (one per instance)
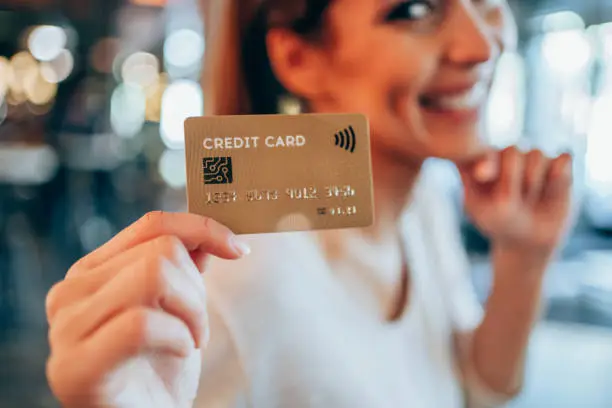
(23, 66)
(154, 95)
(182, 99)
(289, 106)
(172, 168)
(16, 98)
(39, 110)
(59, 69)
(149, 3)
(38, 90)
(128, 104)
(140, 69)
(47, 42)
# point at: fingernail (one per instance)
(241, 247)
(485, 171)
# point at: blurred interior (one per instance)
(93, 95)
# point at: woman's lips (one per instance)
(458, 105)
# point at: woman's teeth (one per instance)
(467, 100)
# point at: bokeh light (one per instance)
(38, 90)
(47, 42)
(39, 110)
(183, 52)
(5, 76)
(23, 68)
(128, 104)
(172, 168)
(27, 165)
(505, 117)
(561, 21)
(289, 106)
(182, 99)
(567, 52)
(59, 69)
(599, 166)
(154, 98)
(94, 232)
(140, 69)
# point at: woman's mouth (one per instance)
(464, 104)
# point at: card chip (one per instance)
(218, 170)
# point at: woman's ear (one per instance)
(296, 63)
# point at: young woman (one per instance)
(363, 318)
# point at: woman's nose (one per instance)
(470, 41)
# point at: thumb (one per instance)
(479, 175)
(481, 171)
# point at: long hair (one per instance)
(237, 77)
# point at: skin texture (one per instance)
(127, 322)
(135, 312)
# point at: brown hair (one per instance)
(237, 77)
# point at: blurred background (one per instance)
(93, 95)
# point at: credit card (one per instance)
(280, 173)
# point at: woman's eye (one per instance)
(411, 10)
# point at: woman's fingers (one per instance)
(134, 332)
(536, 168)
(511, 174)
(149, 283)
(137, 331)
(559, 177)
(196, 232)
(514, 176)
(82, 285)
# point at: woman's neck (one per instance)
(394, 183)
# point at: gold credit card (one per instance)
(277, 173)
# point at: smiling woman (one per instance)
(379, 317)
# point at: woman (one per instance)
(379, 317)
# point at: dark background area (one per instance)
(91, 113)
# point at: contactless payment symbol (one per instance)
(346, 139)
(218, 170)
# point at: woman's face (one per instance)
(421, 70)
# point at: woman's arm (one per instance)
(521, 202)
(495, 358)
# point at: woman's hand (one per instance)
(520, 201)
(127, 323)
